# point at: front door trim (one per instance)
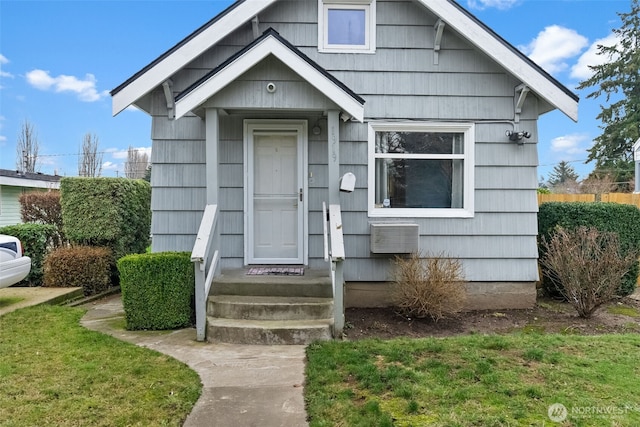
(299, 127)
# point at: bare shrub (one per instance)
(432, 286)
(598, 184)
(586, 266)
(44, 208)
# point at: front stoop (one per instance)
(268, 332)
(270, 310)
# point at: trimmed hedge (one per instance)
(110, 212)
(613, 217)
(87, 267)
(157, 290)
(36, 240)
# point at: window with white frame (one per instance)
(347, 25)
(421, 169)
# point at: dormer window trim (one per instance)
(329, 11)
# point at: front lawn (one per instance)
(7, 301)
(54, 372)
(475, 380)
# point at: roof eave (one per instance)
(184, 52)
(510, 58)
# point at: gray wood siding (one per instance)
(178, 186)
(399, 81)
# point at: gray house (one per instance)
(264, 112)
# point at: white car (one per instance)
(14, 266)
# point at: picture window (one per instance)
(421, 169)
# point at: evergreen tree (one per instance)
(563, 173)
(618, 78)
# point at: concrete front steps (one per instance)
(270, 310)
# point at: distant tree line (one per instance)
(90, 157)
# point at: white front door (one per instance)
(276, 194)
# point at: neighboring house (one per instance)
(13, 184)
(264, 108)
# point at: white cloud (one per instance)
(581, 69)
(110, 166)
(572, 146)
(4, 60)
(40, 79)
(2, 137)
(498, 4)
(122, 154)
(133, 108)
(553, 46)
(84, 88)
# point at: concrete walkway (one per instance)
(243, 385)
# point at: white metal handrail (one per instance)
(335, 229)
(205, 264)
(325, 233)
(335, 253)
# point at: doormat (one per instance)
(276, 271)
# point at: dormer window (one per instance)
(347, 26)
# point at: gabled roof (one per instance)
(270, 43)
(167, 64)
(505, 54)
(456, 17)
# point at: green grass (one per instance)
(54, 372)
(624, 310)
(476, 380)
(7, 301)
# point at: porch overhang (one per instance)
(270, 43)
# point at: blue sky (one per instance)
(59, 60)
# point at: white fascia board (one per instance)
(500, 53)
(28, 183)
(269, 46)
(187, 53)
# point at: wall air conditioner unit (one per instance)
(394, 238)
